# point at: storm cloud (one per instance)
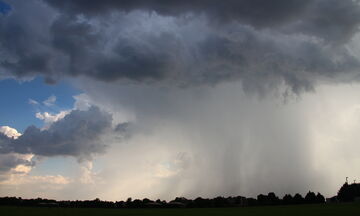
(182, 74)
(78, 134)
(328, 19)
(182, 43)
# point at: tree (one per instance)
(273, 199)
(320, 198)
(298, 199)
(310, 197)
(288, 199)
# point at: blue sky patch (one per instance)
(17, 112)
(4, 8)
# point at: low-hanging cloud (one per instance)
(12, 163)
(78, 134)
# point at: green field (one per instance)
(336, 209)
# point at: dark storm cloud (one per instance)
(76, 41)
(134, 61)
(261, 43)
(330, 19)
(254, 12)
(78, 134)
(333, 20)
(262, 62)
(25, 51)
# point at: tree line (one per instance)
(178, 202)
(346, 193)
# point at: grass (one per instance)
(308, 210)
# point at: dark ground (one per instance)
(308, 210)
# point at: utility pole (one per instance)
(346, 180)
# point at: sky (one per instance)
(159, 99)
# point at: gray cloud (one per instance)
(334, 21)
(328, 19)
(78, 134)
(9, 161)
(23, 40)
(263, 45)
(5, 143)
(262, 60)
(246, 10)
